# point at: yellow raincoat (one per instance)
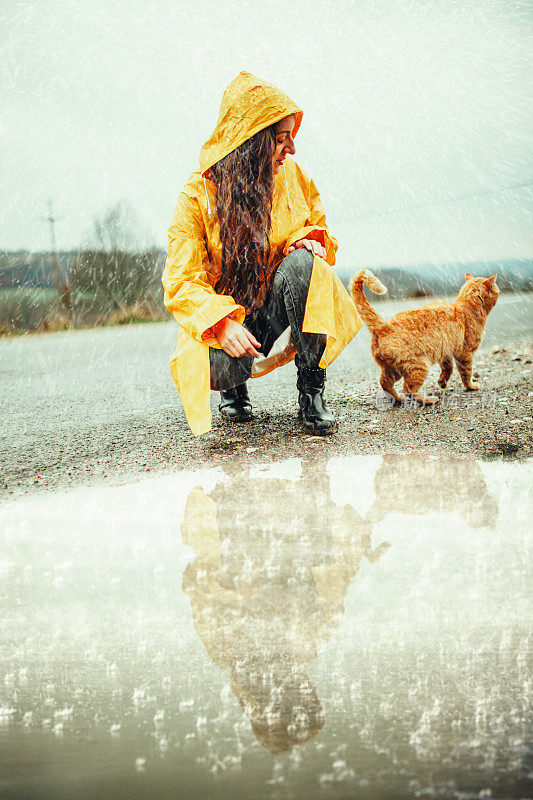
(194, 250)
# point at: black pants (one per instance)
(284, 308)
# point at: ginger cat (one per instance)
(411, 341)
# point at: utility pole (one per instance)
(55, 261)
(63, 292)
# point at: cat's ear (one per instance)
(468, 276)
(489, 283)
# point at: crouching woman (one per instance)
(248, 274)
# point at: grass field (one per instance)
(32, 294)
(35, 309)
(25, 308)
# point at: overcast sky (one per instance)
(415, 128)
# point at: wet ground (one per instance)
(271, 614)
(85, 406)
(314, 628)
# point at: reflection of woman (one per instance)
(273, 562)
(248, 256)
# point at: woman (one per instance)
(247, 273)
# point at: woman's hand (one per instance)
(315, 247)
(235, 340)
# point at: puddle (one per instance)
(351, 628)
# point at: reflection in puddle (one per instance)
(351, 628)
(412, 485)
(274, 559)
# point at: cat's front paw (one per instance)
(473, 387)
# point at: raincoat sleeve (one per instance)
(189, 294)
(316, 227)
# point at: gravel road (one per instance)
(99, 406)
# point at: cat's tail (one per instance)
(370, 317)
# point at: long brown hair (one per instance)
(245, 185)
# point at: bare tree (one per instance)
(116, 269)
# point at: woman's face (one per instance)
(284, 141)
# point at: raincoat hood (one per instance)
(249, 105)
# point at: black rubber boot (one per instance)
(235, 404)
(314, 412)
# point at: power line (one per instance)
(451, 200)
